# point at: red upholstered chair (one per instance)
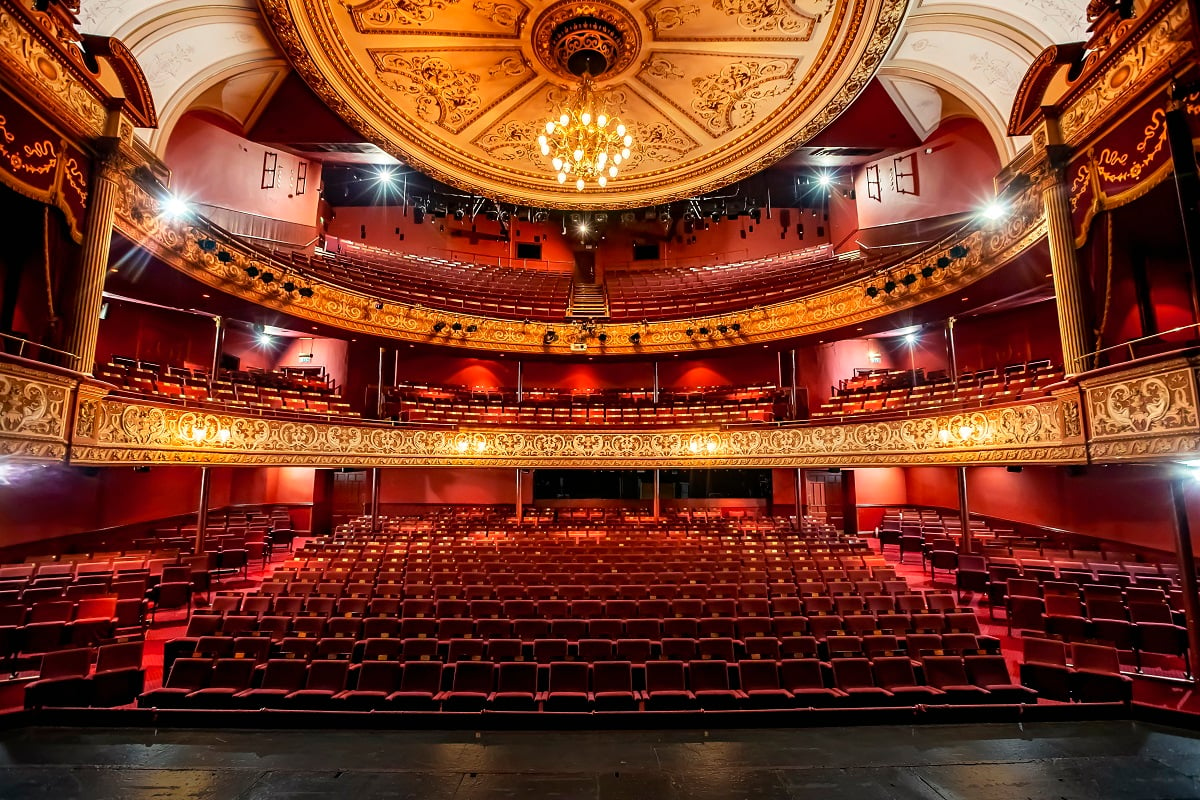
(853, 676)
(612, 683)
(666, 687)
(376, 680)
(119, 677)
(62, 680)
(420, 687)
(280, 678)
(991, 673)
(472, 686)
(803, 678)
(1097, 675)
(229, 676)
(759, 681)
(187, 675)
(949, 674)
(516, 687)
(568, 688)
(896, 674)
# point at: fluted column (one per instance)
(83, 317)
(1064, 262)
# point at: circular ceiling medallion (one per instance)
(713, 90)
(600, 38)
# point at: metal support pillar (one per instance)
(953, 351)
(375, 482)
(965, 544)
(1187, 569)
(656, 383)
(218, 340)
(795, 402)
(657, 500)
(520, 383)
(379, 387)
(520, 500)
(202, 510)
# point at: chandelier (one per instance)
(587, 143)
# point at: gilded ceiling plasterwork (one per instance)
(713, 90)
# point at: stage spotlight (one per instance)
(379, 305)
(439, 326)
(602, 338)
(173, 207)
(735, 327)
(265, 339)
(207, 245)
(995, 210)
(224, 256)
(635, 338)
(690, 331)
(889, 286)
(456, 327)
(926, 272)
(824, 179)
(704, 331)
(306, 291)
(959, 251)
(267, 277)
(910, 338)
(549, 337)
(872, 291)
(385, 176)
(943, 262)
(472, 328)
(909, 279)
(289, 286)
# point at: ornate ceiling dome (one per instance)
(713, 90)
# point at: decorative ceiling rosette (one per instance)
(714, 90)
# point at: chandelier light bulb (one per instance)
(588, 141)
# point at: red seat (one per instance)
(759, 681)
(709, 683)
(516, 687)
(666, 687)
(471, 688)
(612, 683)
(568, 688)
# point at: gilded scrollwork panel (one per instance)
(1145, 413)
(34, 413)
(127, 431)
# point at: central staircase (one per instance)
(588, 301)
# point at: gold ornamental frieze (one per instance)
(125, 431)
(35, 408)
(1144, 413)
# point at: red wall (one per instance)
(156, 335)
(39, 503)
(1029, 333)
(448, 238)
(209, 164)
(957, 176)
(462, 486)
(1119, 503)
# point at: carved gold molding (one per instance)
(28, 60)
(1139, 63)
(988, 248)
(35, 410)
(1149, 412)
(123, 431)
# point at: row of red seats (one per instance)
(583, 688)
